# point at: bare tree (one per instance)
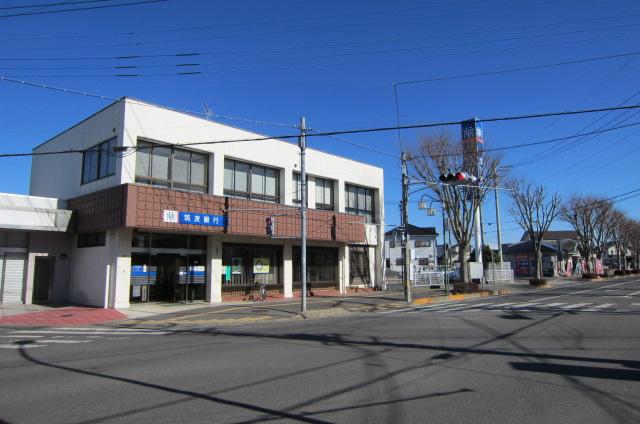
(591, 219)
(440, 154)
(634, 241)
(621, 232)
(534, 210)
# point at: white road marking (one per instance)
(63, 341)
(23, 337)
(501, 305)
(552, 305)
(88, 332)
(103, 329)
(18, 346)
(599, 307)
(633, 294)
(576, 306)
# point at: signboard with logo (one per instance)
(472, 131)
(260, 265)
(236, 265)
(193, 218)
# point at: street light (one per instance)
(422, 205)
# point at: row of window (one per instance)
(416, 243)
(180, 169)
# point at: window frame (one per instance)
(249, 194)
(95, 239)
(99, 153)
(169, 182)
(369, 214)
(322, 205)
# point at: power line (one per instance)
(524, 68)
(48, 12)
(341, 44)
(537, 143)
(103, 97)
(64, 3)
(370, 130)
(362, 146)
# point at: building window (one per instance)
(324, 194)
(91, 239)
(399, 261)
(99, 161)
(359, 201)
(250, 181)
(387, 263)
(423, 243)
(423, 261)
(167, 166)
(297, 189)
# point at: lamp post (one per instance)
(422, 205)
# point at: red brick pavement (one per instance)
(64, 317)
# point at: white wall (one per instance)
(58, 246)
(163, 125)
(89, 283)
(59, 176)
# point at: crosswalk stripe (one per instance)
(501, 305)
(552, 305)
(576, 306)
(22, 337)
(596, 308)
(120, 333)
(104, 329)
(18, 346)
(523, 305)
(65, 341)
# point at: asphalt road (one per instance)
(570, 354)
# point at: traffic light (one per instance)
(270, 226)
(459, 177)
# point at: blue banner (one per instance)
(201, 219)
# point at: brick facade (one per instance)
(137, 206)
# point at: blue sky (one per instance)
(336, 62)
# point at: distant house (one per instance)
(566, 243)
(422, 245)
(522, 259)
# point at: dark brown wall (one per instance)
(137, 206)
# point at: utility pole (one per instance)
(302, 143)
(498, 223)
(406, 257)
(445, 277)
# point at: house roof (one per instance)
(554, 235)
(415, 231)
(525, 247)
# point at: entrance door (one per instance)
(42, 279)
(359, 266)
(167, 288)
(12, 267)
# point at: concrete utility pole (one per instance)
(406, 256)
(302, 143)
(498, 223)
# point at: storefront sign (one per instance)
(260, 265)
(236, 265)
(193, 218)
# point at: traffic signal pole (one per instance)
(302, 143)
(406, 257)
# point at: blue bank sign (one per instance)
(193, 218)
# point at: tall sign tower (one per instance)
(472, 144)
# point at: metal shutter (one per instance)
(13, 278)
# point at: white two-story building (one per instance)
(167, 207)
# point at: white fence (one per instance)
(428, 279)
(499, 273)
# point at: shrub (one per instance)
(538, 282)
(618, 272)
(589, 275)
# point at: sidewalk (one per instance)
(203, 314)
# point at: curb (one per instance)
(459, 297)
